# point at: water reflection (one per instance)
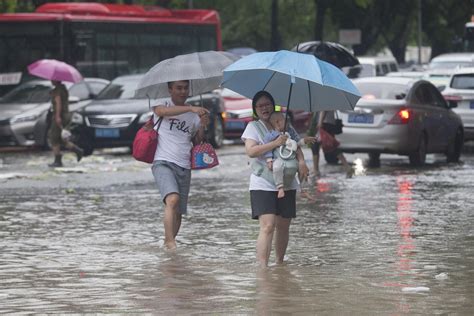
(406, 246)
(278, 290)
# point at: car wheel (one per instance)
(217, 133)
(331, 158)
(454, 149)
(418, 157)
(374, 160)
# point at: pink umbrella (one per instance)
(53, 69)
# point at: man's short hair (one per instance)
(170, 83)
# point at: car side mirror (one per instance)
(441, 88)
(73, 99)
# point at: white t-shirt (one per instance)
(256, 182)
(174, 136)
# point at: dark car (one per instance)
(113, 119)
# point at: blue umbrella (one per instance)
(299, 81)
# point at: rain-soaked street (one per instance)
(87, 239)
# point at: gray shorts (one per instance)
(171, 178)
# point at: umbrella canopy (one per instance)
(202, 69)
(333, 53)
(299, 81)
(53, 69)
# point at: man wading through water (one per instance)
(182, 126)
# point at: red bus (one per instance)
(102, 40)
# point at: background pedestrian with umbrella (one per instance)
(58, 71)
(299, 81)
(181, 125)
(341, 57)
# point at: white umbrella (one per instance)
(202, 69)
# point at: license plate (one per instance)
(235, 125)
(362, 118)
(107, 133)
(471, 105)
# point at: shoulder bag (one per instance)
(146, 141)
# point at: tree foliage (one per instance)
(281, 24)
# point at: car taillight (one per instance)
(402, 117)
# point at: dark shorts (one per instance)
(267, 202)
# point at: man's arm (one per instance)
(201, 132)
(179, 109)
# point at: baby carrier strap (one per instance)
(259, 168)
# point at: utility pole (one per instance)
(419, 32)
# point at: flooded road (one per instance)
(87, 239)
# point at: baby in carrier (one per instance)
(282, 160)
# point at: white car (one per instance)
(452, 61)
(461, 91)
(401, 116)
(24, 110)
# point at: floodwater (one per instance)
(390, 241)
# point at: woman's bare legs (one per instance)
(282, 235)
(265, 236)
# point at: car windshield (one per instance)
(465, 81)
(449, 64)
(28, 93)
(379, 90)
(119, 89)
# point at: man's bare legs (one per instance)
(171, 220)
(265, 236)
(282, 234)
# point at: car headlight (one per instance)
(144, 117)
(77, 118)
(24, 118)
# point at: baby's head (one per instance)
(277, 119)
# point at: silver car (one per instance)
(461, 90)
(24, 110)
(401, 116)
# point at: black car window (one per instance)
(435, 97)
(464, 81)
(80, 90)
(378, 90)
(123, 89)
(420, 95)
(96, 87)
(28, 94)
(378, 70)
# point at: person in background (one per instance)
(60, 119)
(327, 121)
